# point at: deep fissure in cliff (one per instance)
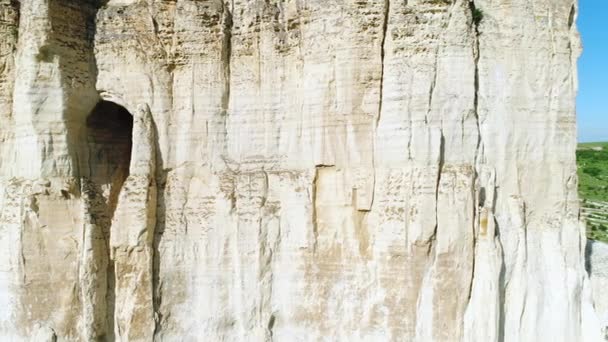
(109, 137)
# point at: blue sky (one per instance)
(592, 101)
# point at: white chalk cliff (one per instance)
(290, 170)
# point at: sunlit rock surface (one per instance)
(375, 170)
(597, 266)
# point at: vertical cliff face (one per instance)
(290, 170)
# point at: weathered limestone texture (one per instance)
(597, 266)
(290, 170)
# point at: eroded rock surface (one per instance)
(597, 266)
(296, 170)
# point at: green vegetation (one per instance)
(592, 162)
(477, 16)
(592, 159)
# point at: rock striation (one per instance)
(248, 170)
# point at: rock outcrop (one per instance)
(597, 266)
(187, 170)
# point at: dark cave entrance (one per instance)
(109, 132)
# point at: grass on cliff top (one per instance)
(592, 160)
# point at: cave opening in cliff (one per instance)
(109, 130)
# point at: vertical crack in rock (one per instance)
(476, 55)
(157, 288)
(437, 185)
(315, 227)
(387, 8)
(571, 23)
(475, 215)
(475, 28)
(226, 58)
(441, 160)
(270, 327)
(571, 16)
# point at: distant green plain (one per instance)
(592, 159)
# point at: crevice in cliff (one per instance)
(159, 230)
(572, 16)
(479, 198)
(109, 137)
(386, 14)
(476, 18)
(270, 326)
(227, 27)
(387, 8)
(478, 202)
(313, 199)
(571, 22)
(438, 182)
